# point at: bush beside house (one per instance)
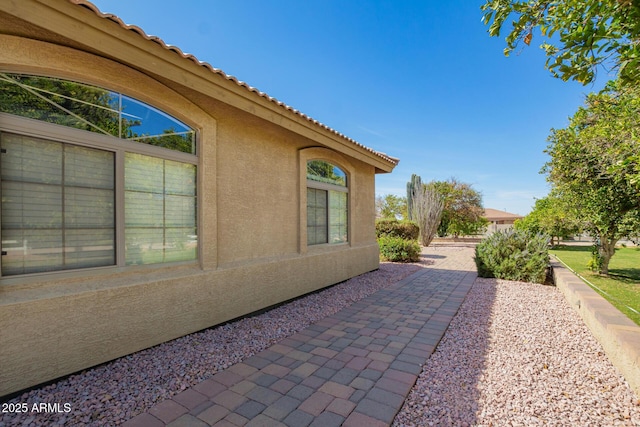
(407, 230)
(398, 240)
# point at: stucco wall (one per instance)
(83, 323)
(252, 247)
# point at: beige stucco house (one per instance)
(499, 220)
(147, 195)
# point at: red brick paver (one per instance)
(354, 368)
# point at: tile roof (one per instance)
(496, 214)
(175, 49)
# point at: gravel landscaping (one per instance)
(113, 393)
(517, 354)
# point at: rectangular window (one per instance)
(327, 195)
(57, 206)
(316, 216)
(102, 180)
(337, 217)
(160, 210)
(326, 216)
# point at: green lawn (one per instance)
(623, 283)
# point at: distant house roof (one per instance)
(497, 215)
(85, 3)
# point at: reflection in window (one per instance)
(321, 171)
(326, 203)
(59, 198)
(94, 109)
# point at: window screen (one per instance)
(327, 195)
(57, 206)
(160, 210)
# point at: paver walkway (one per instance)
(354, 368)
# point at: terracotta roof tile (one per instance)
(496, 214)
(218, 71)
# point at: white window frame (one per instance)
(330, 187)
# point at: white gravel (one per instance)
(115, 392)
(517, 354)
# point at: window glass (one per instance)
(337, 217)
(321, 171)
(93, 109)
(160, 210)
(316, 216)
(327, 208)
(57, 206)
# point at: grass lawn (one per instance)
(623, 283)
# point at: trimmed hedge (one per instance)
(513, 255)
(397, 249)
(387, 227)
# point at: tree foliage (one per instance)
(551, 217)
(83, 107)
(592, 167)
(67, 103)
(391, 227)
(319, 170)
(463, 211)
(391, 206)
(579, 35)
(397, 249)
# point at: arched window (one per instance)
(94, 109)
(327, 193)
(91, 178)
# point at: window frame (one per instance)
(114, 95)
(53, 176)
(336, 159)
(327, 188)
(58, 133)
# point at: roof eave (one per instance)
(150, 54)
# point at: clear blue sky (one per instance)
(418, 80)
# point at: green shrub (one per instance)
(397, 249)
(596, 261)
(407, 230)
(513, 255)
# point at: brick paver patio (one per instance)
(353, 368)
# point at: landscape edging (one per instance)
(618, 335)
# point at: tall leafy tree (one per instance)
(578, 35)
(463, 211)
(591, 170)
(550, 216)
(391, 206)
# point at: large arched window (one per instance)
(327, 193)
(91, 178)
(93, 109)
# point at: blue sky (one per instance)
(418, 80)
